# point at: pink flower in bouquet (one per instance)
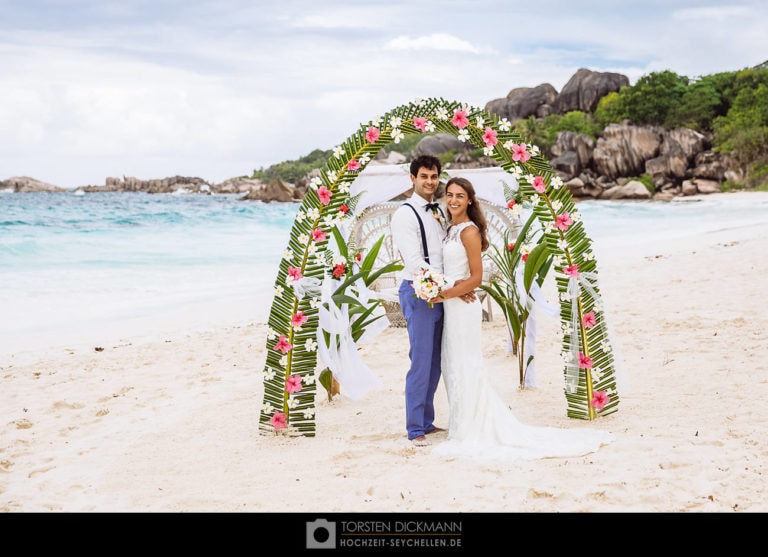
(563, 221)
(359, 256)
(511, 246)
(589, 321)
(571, 270)
(599, 400)
(420, 123)
(339, 270)
(524, 257)
(294, 273)
(283, 345)
(490, 137)
(319, 235)
(585, 362)
(324, 194)
(354, 165)
(539, 184)
(510, 203)
(519, 152)
(372, 135)
(344, 208)
(460, 119)
(293, 384)
(278, 421)
(298, 319)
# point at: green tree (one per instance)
(697, 108)
(653, 97)
(743, 132)
(292, 171)
(610, 110)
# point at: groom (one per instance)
(417, 233)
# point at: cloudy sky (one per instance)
(216, 89)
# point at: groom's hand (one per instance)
(469, 297)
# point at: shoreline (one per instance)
(170, 424)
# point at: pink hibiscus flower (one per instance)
(354, 165)
(372, 135)
(571, 270)
(298, 319)
(324, 194)
(420, 123)
(293, 384)
(599, 399)
(519, 152)
(283, 345)
(562, 222)
(589, 321)
(294, 273)
(490, 137)
(539, 184)
(585, 361)
(278, 421)
(460, 119)
(319, 235)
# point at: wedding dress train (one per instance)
(480, 424)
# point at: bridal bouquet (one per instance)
(428, 284)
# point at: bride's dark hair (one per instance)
(474, 211)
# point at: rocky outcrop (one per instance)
(678, 162)
(440, 143)
(173, 184)
(623, 149)
(523, 102)
(275, 190)
(23, 184)
(585, 89)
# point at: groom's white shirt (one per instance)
(406, 238)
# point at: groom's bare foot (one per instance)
(420, 441)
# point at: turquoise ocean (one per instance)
(84, 268)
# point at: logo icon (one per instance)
(321, 534)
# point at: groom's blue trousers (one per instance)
(425, 334)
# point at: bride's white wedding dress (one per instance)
(480, 424)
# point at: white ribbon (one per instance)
(536, 305)
(306, 285)
(341, 355)
(575, 285)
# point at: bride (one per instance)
(480, 423)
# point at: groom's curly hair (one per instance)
(474, 211)
(426, 161)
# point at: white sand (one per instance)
(169, 423)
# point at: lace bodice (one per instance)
(455, 261)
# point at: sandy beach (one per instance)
(169, 422)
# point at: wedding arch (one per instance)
(289, 374)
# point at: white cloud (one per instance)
(216, 89)
(435, 41)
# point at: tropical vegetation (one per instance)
(732, 107)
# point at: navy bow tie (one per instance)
(431, 206)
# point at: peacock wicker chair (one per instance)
(374, 221)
